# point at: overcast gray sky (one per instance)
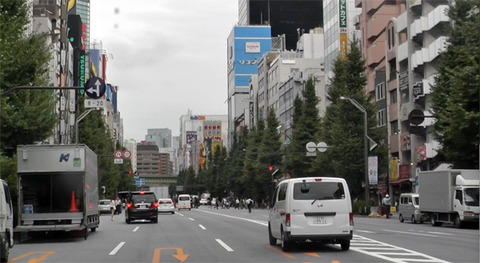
(166, 56)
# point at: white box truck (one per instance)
(450, 196)
(57, 188)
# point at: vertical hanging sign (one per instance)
(343, 28)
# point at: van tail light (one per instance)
(351, 218)
(130, 206)
(155, 205)
(287, 220)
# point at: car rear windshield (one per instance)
(104, 202)
(146, 198)
(183, 198)
(318, 191)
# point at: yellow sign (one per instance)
(393, 169)
(343, 46)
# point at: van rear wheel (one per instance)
(345, 245)
(271, 239)
(286, 244)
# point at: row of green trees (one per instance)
(244, 170)
(28, 116)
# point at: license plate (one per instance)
(319, 220)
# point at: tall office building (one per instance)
(286, 17)
(245, 47)
(161, 137)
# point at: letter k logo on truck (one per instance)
(64, 157)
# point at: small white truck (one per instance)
(450, 196)
(57, 188)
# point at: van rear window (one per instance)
(318, 191)
(184, 198)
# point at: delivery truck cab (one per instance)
(6, 221)
(450, 196)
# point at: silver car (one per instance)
(104, 206)
(165, 205)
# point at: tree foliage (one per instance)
(455, 96)
(342, 127)
(306, 122)
(26, 116)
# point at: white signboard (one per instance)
(95, 103)
(373, 170)
(252, 47)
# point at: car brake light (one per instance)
(351, 219)
(155, 205)
(130, 206)
(142, 193)
(318, 180)
(287, 220)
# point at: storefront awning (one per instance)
(401, 181)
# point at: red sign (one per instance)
(404, 171)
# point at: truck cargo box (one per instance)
(58, 188)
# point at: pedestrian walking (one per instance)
(249, 205)
(386, 203)
(112, 207)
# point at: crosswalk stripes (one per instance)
(389, 252)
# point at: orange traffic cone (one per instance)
(73, 204)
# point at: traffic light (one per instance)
(130, 172)
(270, 168)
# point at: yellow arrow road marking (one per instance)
(179, 256)
(312, 254)
(281, 252)
(44, 256)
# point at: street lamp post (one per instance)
(365, 145)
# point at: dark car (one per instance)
(141, 205)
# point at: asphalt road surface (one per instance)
(229, 235)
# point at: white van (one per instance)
(318, 209)
(184, 202)
(6, 221)
(409, 208)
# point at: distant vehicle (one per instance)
(204, 197)
(6, 221)
(318, 209)
(408, 208)
(104, 206)
(184, 202)
(165, 205)
(141, 205)
(450, 196)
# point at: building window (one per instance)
(380, 91)
(394, 128)
(393, 96)
(381, 118)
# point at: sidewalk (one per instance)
(375, 213)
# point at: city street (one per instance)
(229, 235)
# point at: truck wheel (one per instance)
(400, 217)
(3, 249)
(434, 222)
(458, 223)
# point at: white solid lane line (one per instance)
(117, 248)
(225, 246)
